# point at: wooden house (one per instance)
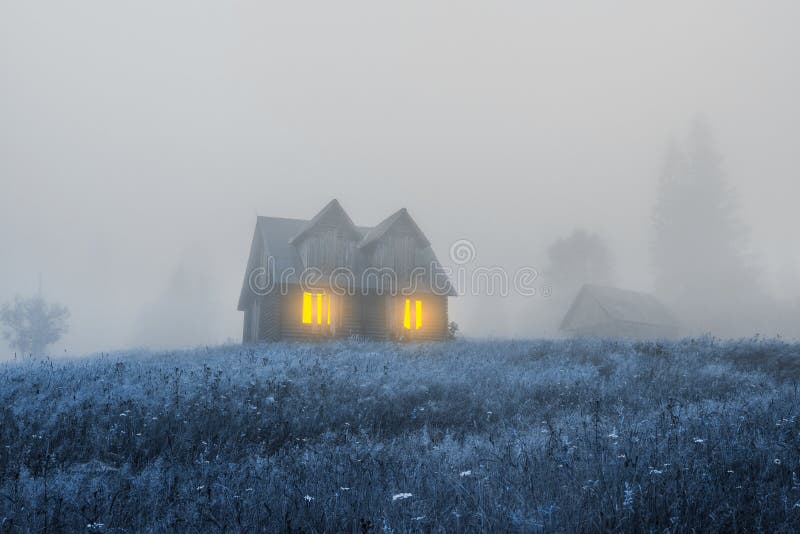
(326, 277)
(600, 311)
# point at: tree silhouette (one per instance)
(699, 242)
(581, 258)
(31, 324)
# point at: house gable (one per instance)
(398, 243)
(399, 224)
(331, 217)
(328, 241)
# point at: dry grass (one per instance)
(523, 436)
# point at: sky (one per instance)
(139, 140)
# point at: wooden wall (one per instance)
(397, 253)
(399, 249)
(350, 313)
(345, 317)
(252, 324)
(269, 328)
(373, 316)
(326, 249)
(382, 317)
(434, 318)
(379, 317)
(291, 310)
(246, 327)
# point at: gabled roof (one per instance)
(619, 305)
(385, 225)
(277, 232)
(332, 213)
(277, 237)
(271, 238)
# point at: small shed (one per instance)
(600, 311)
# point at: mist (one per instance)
(139, 141)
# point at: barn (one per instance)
(326, 277)
(600, 311)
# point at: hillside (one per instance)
(540, 435)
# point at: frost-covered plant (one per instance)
(492, 436)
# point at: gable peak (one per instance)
(333, 211)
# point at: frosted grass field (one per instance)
(521, 436)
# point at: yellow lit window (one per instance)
(417, 319)
(316, 308)
(306, 308)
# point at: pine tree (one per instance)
(699, 242)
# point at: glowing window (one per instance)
(316, 308)
(417, 319)
(306, 308)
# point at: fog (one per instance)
(139, 140)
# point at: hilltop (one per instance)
(349, 436)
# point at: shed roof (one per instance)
(617, 304)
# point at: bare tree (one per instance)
(31, 324)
